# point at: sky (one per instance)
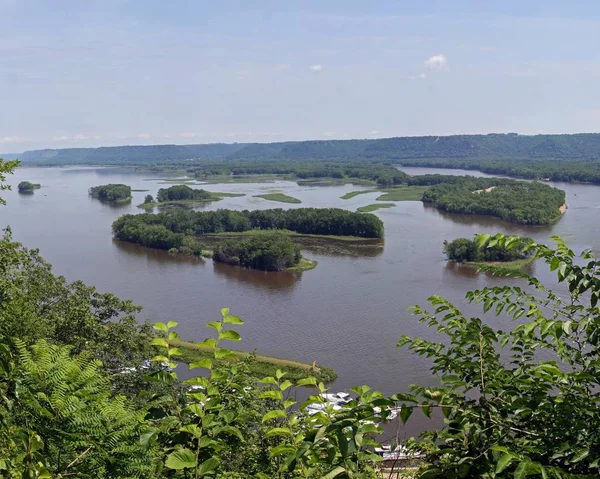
(116, 72)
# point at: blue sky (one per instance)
(114, 72)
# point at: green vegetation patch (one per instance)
(516, 265)
(139, 191)
(304, 264)
(403, 193)
(292, 234)
(260, 366)
(352, 194)
(280, 197)
(374, 207)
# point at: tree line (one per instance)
(582, 146)
(318, 221)
(529, 203)
(384, 175)
(473, 250)
(111, 192)
(561, 170)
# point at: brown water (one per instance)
(347, 313)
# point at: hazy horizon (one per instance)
(286, 141)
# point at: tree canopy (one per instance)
(530, 203)
(111, 192)
(28, 187)
(181, 192)
(268, 251)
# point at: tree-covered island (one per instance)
(28, 187)
(111, 192)
(484, 251)
(183, 195)
(523, 202)
(181, 231)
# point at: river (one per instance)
(348, 313)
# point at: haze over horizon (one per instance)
(127, 72)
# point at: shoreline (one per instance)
(265, 365)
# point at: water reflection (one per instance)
(157, 255)
(487, 222)
(273, 281)
(471, 272)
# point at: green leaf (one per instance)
(160, 326)
(405, 413)
(181, 459)
(224, 353)
(334, 473)
(274, 414)
(172, 324)
(208, 343)
(310, 381)
(192, 429)
(504, 462)
(580, 455)
(216, 325)
(230, 335)
(203, 363)
(285, 385)
(160, 342)
(282, 449)
(224, 312)
(208, 466)
(279, 431)
(232, 431)
(233, 320)
(271, 395)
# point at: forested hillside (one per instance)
(583, 146)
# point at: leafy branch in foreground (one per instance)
(521, 402)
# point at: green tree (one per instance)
(60, 418)
(6, 168)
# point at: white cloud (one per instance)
(81, 137)
(420, 76)
(144, 136)
(60, 138)
(13, 139)
(188, 135)
(281, 67)
(330, 134)
(316, 68)
(436, 63)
